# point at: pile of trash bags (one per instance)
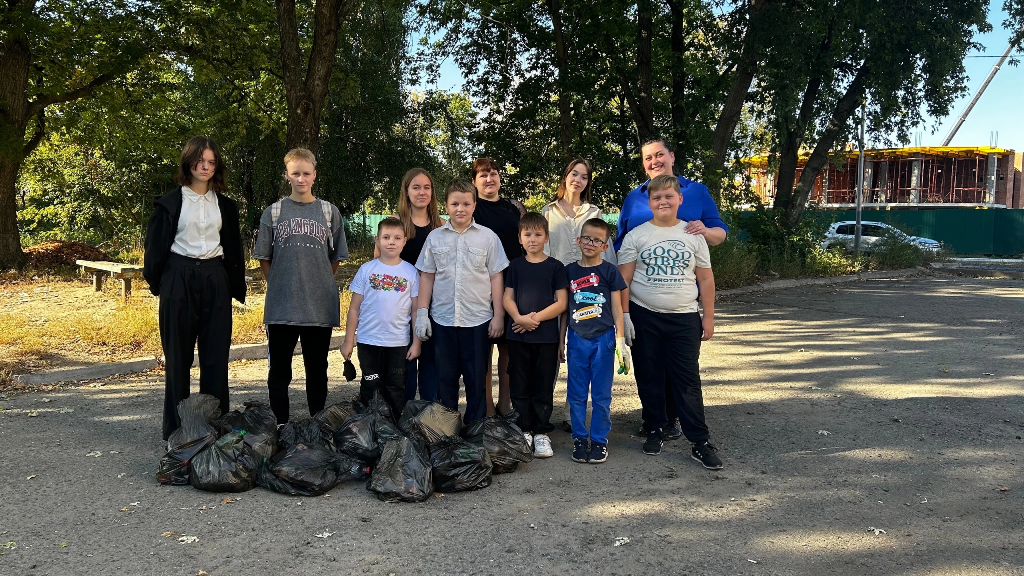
(427, 450)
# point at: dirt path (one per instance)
(873, 428)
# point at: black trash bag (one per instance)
(305, 431)
(430, 421)
(357, 438)
(260, 427)
(196, 433)
(229, 465)
(502, 439)
(335, 415)
(229, 422)
(363, 436)
(403, 473)
(459, 465)
(301, 470)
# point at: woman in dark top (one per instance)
(417, 209)
(502, 216)
(193, 262)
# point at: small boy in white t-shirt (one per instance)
(380, 318)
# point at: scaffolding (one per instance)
(906, 177)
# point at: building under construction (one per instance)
(921, 177)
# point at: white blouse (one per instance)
(563, 230)
(199, 225)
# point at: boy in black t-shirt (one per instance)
(535, 295)
(595, 308)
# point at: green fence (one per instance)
(997, 232)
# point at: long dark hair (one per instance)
(585, 194)
(191, 154)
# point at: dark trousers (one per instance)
(462, 351)
(195, 305)
(383, 371)
(668, 346)
(422, 371)
(532, 368)
(281, 340)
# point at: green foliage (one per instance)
(893, 252)
(734, 264)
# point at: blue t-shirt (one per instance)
(534, 285)
(590, 294)
(697, 205)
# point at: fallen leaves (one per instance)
(228, 500)
(169, 534)
(33, 414)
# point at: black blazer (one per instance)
(163, 226)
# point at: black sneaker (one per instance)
(674, 431)
(567, 426)
(654, 443)
(598, 452)
(579, 450)
(705, 454)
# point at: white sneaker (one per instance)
(529, 439)
(542, 446)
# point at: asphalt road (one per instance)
(869, 428)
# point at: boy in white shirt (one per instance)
(460, 301)
(667, 270)
(379, 318)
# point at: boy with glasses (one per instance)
(595, 308)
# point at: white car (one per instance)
(842, 234)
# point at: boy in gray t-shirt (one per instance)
(300, 243)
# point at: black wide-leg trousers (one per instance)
(195, 306)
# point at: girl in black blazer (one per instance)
(193, 262)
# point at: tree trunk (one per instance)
(679, 78)
(15, 61)
(562, 63)
(733, 107)
(643, 112)
(307, 93)
(791, 207)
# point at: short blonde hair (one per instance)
(664, 182)
(299, 154)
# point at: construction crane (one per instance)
(977, 96)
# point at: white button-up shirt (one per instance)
(462, 264)
(199, 225)
(564, 229)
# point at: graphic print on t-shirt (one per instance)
(304, 227)
(594, 300)
(666, 261)
(388, 283)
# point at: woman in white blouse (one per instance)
(565, 216)
(193, 262)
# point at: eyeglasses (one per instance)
(588, 241)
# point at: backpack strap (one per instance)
(275, 214)
(328, 213)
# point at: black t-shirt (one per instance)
(414, 246)
(590, 292)
(535, 284)
(502, 217)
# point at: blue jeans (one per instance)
(462, 351)
(422, 370)
(591, 365)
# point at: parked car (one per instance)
(842, 234)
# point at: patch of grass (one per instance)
(821, 263)
(734, 264)
(132, 327)
(893, 253)
(247, 324)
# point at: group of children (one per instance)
(464, 291)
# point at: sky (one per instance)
(998, 109)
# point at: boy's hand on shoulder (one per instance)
(708, 324)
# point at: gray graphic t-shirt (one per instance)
(665, 258)
(301, 290)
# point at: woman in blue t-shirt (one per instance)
(698, 210)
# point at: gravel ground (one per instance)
(868, 428)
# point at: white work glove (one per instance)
(422, 324)
(624, 356)
(627, 327)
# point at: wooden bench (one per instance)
(123, 272)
